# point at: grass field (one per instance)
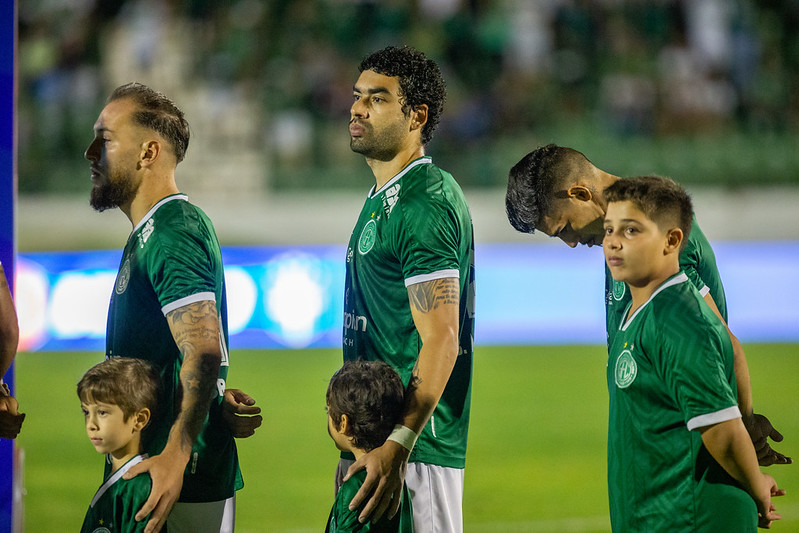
(536, 460)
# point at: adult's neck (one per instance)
(600, 179)
(152, 190)
(384, 170)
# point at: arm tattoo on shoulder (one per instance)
(193, 323)
(428, 295)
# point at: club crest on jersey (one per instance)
(626, 369)
(102, 530)
(367, 238)
(390, 198)
(619, 288)
(123, 277)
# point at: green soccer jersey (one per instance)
(173, 259)
(342, 520)
(416, 228)
(697, 260)
(670, 372)
(117, 501)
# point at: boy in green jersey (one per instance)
(364, 403)
(679, 456)
(558, 191)
(118, 397)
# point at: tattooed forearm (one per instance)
(415, 380)
(197, 379)
(195, 328)
(428, 295)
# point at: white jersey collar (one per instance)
(678, 278)
(153, 209)
(113, 478)
(416, 162)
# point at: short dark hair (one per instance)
(420, 81)
(371, 394)
(533, 181)
(661, 199)
(129, 383)
(158, 113)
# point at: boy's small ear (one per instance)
(142, 419)
(674, 239)
(344, 425)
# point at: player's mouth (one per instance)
(356, 129)
(95, 175)
(614, 261)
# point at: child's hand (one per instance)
(766, 511)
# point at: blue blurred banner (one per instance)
(7, 230)
(292, 297)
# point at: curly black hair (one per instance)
(371, 394)
(420, 81)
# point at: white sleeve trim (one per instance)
(441, 274)
(709, 419)
(704, 291)
(199, 297)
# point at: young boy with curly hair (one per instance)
(365, 401)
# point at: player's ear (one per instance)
(142, 417)
(419, 116)
(150, 150)
(580, 192)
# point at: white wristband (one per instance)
(404, 436)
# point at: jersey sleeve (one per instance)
(690, 259)
(693, 365)
(342, 519)
(180, 266)
(428, 244)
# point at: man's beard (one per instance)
(118, 190)
(382, 145)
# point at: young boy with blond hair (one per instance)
(679, 457)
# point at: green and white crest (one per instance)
(619, 288)
(367, 238)
(123, 277)
(626, 369)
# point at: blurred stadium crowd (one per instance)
(704, 90)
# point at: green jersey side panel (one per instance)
(698, 262)
(342, 520)
(670, 371)
(173, 259)
(416, 228)
(116, 503)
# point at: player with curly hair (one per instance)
(409, 291)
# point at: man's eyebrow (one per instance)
(371, 90)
